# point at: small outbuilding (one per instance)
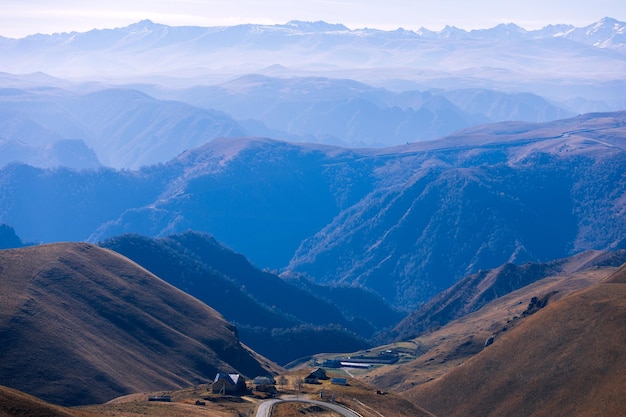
(339, 381)
(331, 363)
(311, 379)
(263, 380)
(315, 376)
(264, 384)
(162, 398)
(320, 373)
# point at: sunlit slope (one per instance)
(16, 403)
(446, 345)
(477, 290)
(565, 360)
(80, 325)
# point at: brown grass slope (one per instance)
(14, 403)
(435, 353)
(618, 277)
(476, 290)
(567, 359)
(80, 325)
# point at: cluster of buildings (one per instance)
(235, 384)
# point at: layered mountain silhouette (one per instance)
(66, 153)
(302, 81)
(67, 126)
(8, 238)
(81, 324)
(348, 113)
(403, 222)
(117, 127)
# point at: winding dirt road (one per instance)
(265, 409)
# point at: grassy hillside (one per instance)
(476, 290)
(14, 403)
(436, 352)
(565, 360)
(80, 324)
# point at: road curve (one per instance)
(265, 408)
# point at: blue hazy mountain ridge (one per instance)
(349, 113)
(64, 153)
(123, 128)
(8, 238)
(62, 204)
(403, 222)
(43, 142)
(280, 193)
(339, 112)
(505, 56)
(521, 202)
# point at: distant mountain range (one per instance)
(122, 128)
(404, 222)
(590, 59)
(348, 113)
(606, 33)
(143, 36)
(125, 128)
(141, 95)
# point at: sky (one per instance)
(19, 18)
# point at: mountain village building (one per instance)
(228, 384)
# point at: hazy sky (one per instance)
(19, 18)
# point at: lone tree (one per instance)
(282, 381)
(298, 383)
